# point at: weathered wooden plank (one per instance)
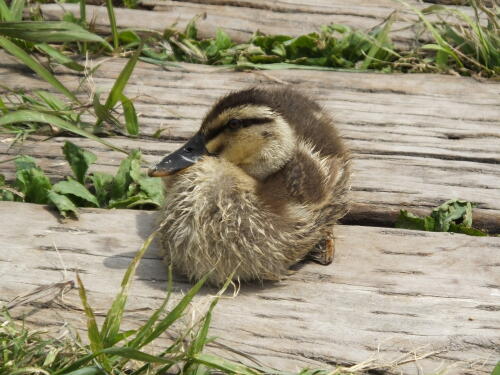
(382, 184)
(417, 140)
(388, 291)
(241, 18)
(241, 22)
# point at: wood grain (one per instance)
(416, 140)
(240, 19)
(387, 292)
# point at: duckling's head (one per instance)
(244, 128)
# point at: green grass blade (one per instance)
(33, 116)
(128, 353)
(83, 12)
(112, 22)
(146, 329)
(121, 81)
(92, 330)
(29, 371)
(5, 13)
(137, 355)
(16, 10)
(49, 32)
(51, 100)
(118, 87)
(435, 33)
(381, 39)
(59, 57)
(131, 122)
(176, 313)
(201, 338)
(36, 67)
(86, 371)
(111, 325)
(225, 365)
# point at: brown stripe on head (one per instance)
(233, 119)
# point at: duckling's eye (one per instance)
(234, 123)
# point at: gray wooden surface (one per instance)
(417, 139)
(240, 19)
(387, 293)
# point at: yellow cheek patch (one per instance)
(215, 144)
(242, 149)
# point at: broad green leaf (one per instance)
(222, 39)
(62, 203)
(451, 211)
(8, 193)
(102, 183)
(461, 228)
(79, 160)
(49, 32)
(154, 189)
(59, 57)
(267, 42)
(35, 66)
(132, 201)
(123, 179)
(131, 121)
(25, 162)
(452, 216)
(73, 187)
(34, 184)
(129, 36)
(407, 220)
(33, 116)
(264, 59)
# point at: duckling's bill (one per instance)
(180, 159)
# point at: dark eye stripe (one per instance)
(246, 122)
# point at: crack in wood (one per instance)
(379, 312)
(488, 307)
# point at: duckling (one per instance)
(256, 189)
